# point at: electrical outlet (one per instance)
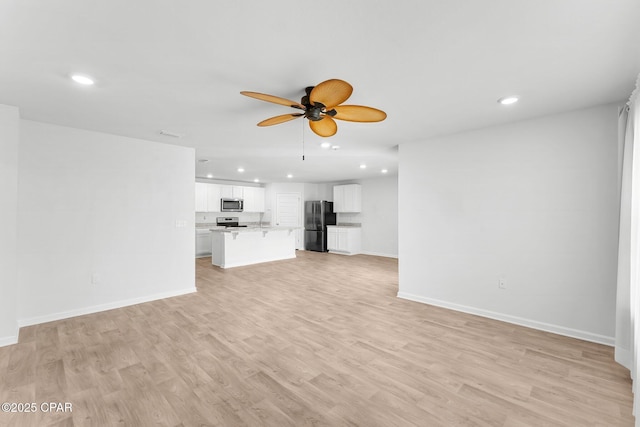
(502, 284)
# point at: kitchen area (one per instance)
(230, 227)
(241, 225)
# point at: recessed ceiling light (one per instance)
(384, 171)
(256, 180)
(209, 175)
(81, 79)
(240, 170)
(325, 145)
(363, 166)
(335, 147)
(289, 176)
(508, 100)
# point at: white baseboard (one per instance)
(101, 307)
(380, 254)
(335, 252)
(534, 324)
(9, 340)
(623, 357)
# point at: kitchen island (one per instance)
(237, 246)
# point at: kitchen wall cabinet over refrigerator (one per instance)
(347, 198)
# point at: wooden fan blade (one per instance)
(324, 127)
(274, 99)
(279, 119)
(359, 113)
(331, 93)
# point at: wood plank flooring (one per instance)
(321, 340)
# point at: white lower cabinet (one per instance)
(344, 240)
(203, 243)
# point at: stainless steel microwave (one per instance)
(231, 205)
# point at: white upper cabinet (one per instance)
(208, 197)
(201, 197)
(253, 199)
(347, 198)
(232, 191)
(213, 197)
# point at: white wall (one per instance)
(9, 138)
(314, 191)
(533, 203)
(379, 216)
(103, 208)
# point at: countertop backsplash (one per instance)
(208, 219)
(349, 219)
(204, 219)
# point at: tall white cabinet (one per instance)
(347, 198)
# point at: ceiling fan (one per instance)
(321, 105)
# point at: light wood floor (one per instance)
(319, 340)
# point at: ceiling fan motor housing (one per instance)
(314, 111)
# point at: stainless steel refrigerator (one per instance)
(317, 215)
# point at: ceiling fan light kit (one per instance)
(321, 105)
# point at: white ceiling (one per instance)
(435, 67)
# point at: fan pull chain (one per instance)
(302, 121)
